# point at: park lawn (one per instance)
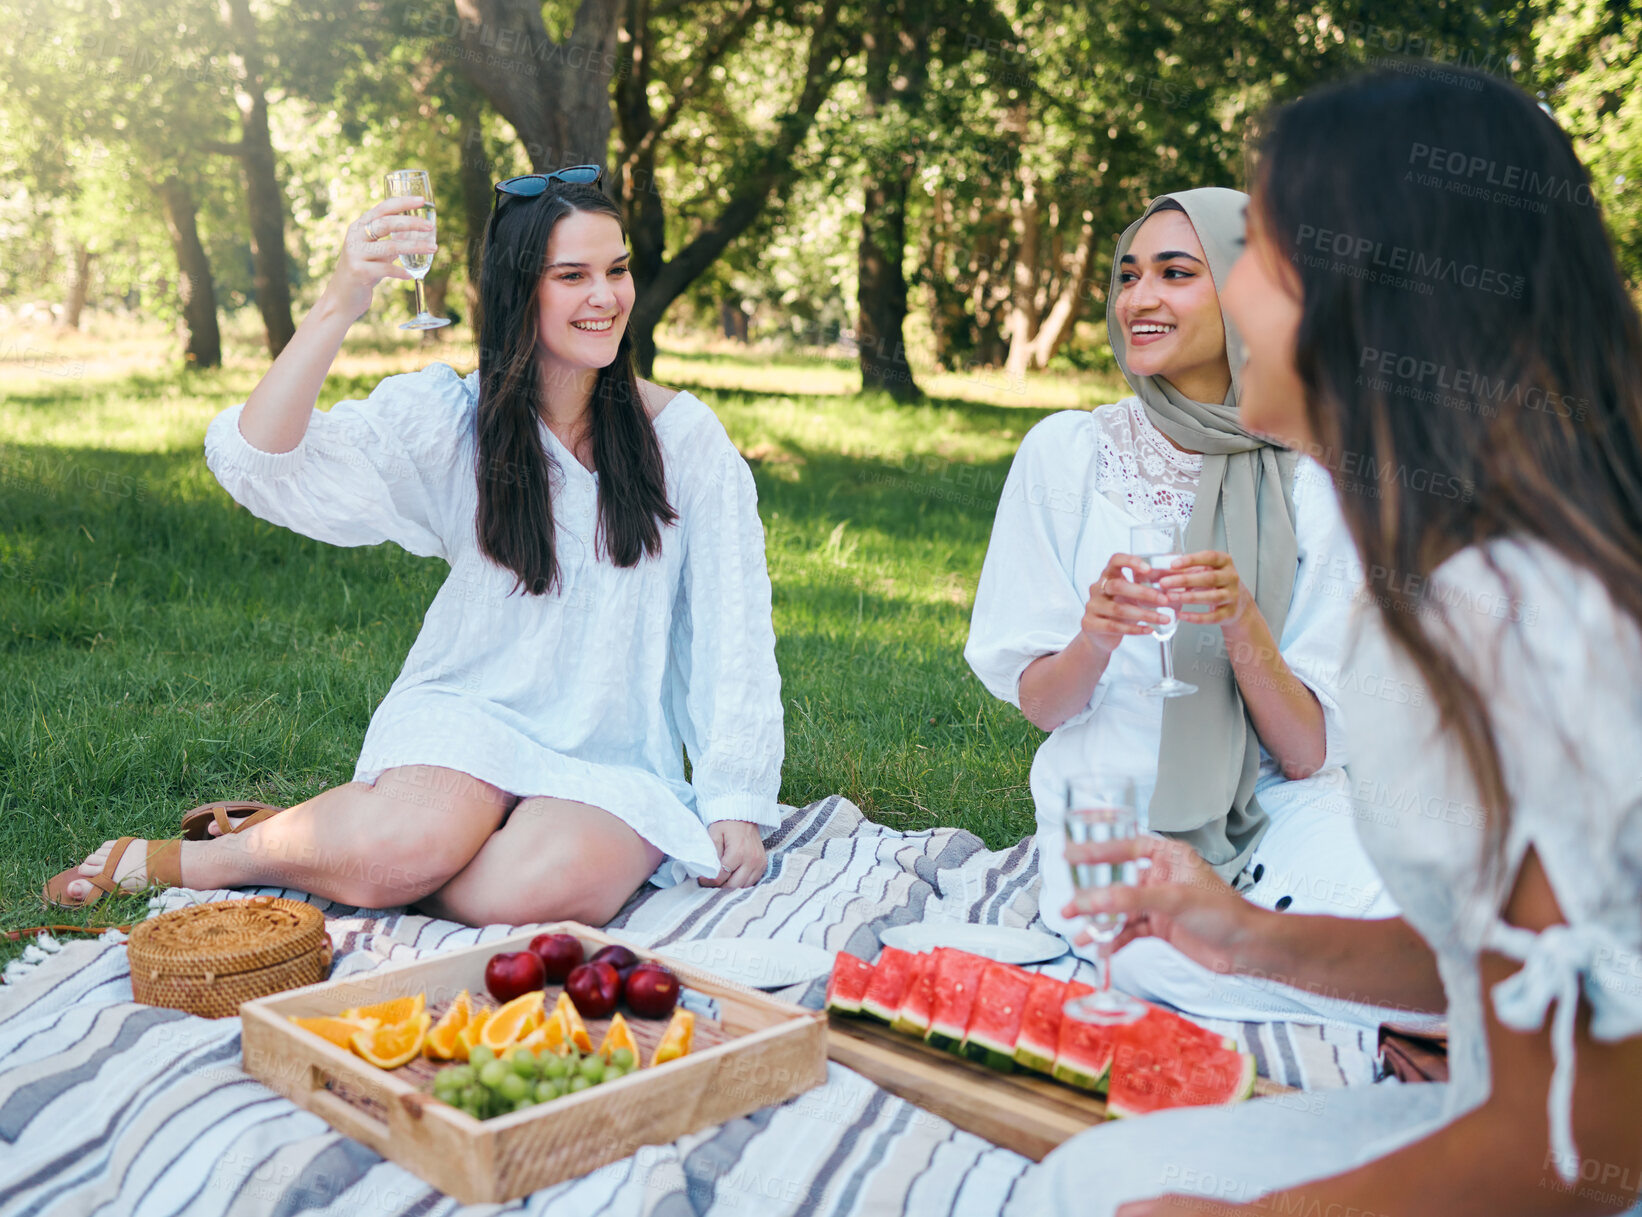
(163, 647)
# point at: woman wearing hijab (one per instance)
(1248, 769)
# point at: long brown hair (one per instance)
(1449, 225)
(515, 515)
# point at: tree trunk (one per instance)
(764, 171)
(556, 96)
(475, 175)
(78, 286)
(558, 100)
(733, 321)
(1063, 314)
(635, 182)
(264, 199)
(995, 257)
(1026, 272)
(434, 292)
(948, 320)
(199, 297)
(881, 286)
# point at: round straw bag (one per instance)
(209, 958)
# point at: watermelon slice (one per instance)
(1166, 1061)
(848, 983)
(1083, 1053)
(995, 1021)
(890, 977)
(957, 976)
(1036, 1045)
(913, 1016)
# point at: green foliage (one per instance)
(1094, 108)
(1590, 65)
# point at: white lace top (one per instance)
(586, 694)
(1139, 471)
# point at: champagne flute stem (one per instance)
(1168, 654)
(421, 308)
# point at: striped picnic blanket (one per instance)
(113, 1107)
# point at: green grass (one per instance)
(163, 647)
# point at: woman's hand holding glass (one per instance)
(1119, 606)
(1178, 899)
(1207, 579)
(369, 250)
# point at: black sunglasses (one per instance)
(529, 185)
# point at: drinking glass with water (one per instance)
(1158, 545)
(1101, 807)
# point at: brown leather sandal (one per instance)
(229, 815)
(164, 870)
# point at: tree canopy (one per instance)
(930, 180)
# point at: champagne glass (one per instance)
(415, 182)
(1101, 807)
(1157, 545)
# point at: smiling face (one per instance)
(1168, 312)
(586, 293)
(1262, 298)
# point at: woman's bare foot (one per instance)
(132, 874)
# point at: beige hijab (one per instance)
(1210, 755)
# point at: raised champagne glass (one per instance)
(416, 182)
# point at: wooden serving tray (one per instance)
(1025, 1112)
(763, 1051)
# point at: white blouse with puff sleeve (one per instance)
(1556, 662)
(590, 693)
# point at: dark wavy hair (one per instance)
(515, 515)
(1463, 322)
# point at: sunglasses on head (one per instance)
(529, 185)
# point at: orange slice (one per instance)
(468, 1036)
(677, 1039)
(339, 1031)
(441, 1043)
(513, 1021)
(391, 1046)
(536, 1040)
(573, 1020)
(399, 1010)
(553, 1034)
(620, 1035)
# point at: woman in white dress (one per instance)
(607, 603)
(1517, 609)
(1249, 769)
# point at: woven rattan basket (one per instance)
(209, 958)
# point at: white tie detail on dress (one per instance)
(1554, 961)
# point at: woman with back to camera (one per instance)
(607, 600)
(1517, 609)
(1249, 769)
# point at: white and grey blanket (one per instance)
(107, 1106)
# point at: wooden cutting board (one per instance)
(1025, 1112)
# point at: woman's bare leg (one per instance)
(553, 860)
(374, 846)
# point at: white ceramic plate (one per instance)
(756, 963)
(993, 941)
